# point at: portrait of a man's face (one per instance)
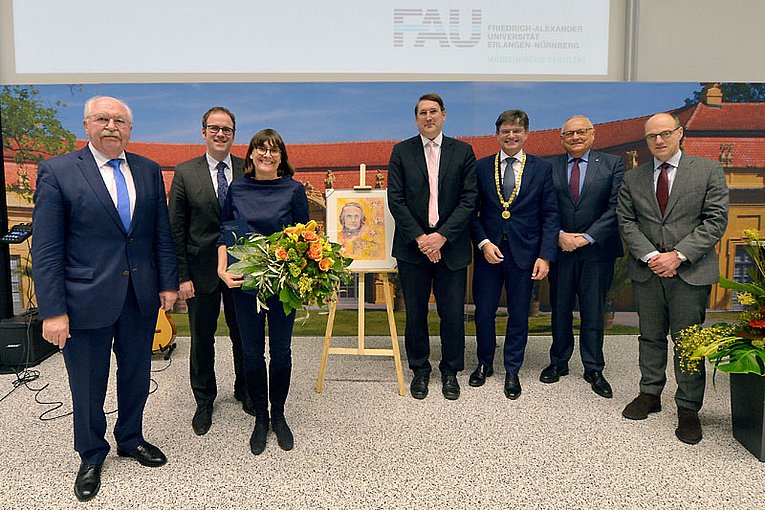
(352, 219)
(361, 223)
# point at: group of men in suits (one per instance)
(526, 217)
(107, 255)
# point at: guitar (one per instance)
(164, 334)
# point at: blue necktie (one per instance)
(222, 184)
(123, 199)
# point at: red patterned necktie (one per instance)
(662, 188)
(573, 182)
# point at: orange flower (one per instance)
(326, 263)
(281, 253)
(310, 236)
(314, 251)
(757, 324)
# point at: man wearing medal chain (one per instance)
(515, 230)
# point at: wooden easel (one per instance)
(361, 349)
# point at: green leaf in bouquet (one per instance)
(744, 287)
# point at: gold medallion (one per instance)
(506, 215)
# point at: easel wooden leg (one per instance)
(327, 337)
(393, 334)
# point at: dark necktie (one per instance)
(123, 198)
(222, 183)
(508, 181)
(573, 182)
(662, 188)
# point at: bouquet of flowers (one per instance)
(298, 263)
(734, 348)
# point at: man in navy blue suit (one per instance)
(515, 230)
(104, 263)
(587, 185)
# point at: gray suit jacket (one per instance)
(195, 221)
(694, 221)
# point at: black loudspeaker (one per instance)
(22, 344)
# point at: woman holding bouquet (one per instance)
(266, 200)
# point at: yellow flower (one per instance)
(745, 298)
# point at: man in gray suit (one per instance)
(198, 190)
(672, 212)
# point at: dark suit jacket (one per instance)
(195, 222)
(595, 212)
(532, 230)
(694, 221)
(408, 193)
(82, 254)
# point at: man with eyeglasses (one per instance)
(587, 185)
(104, 264)
(196, 195)
(515, 230)
(672, 212)
(431, 195)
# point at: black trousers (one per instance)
(204, 310)
(448, 286)
(272, 385)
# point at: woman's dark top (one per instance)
(262, 207)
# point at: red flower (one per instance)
(757, 323)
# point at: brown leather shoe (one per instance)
(644, 404)
(688, 426)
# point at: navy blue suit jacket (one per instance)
(532, 230)
(595, 212)
(82, 256)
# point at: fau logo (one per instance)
(431, 25)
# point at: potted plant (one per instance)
(738, 349)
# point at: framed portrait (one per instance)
(361, 222)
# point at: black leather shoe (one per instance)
(642, 406)
(598, 383)
(88, 481)
(202, 420)
(419, 387)
(479, 375)
(450, 387)
(552, 374)
(259, 435)
(512, 386)
(145, 453)
(283, 433)
(688, 426)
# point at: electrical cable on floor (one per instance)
(26, 376)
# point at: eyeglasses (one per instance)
(224, 129)
(664, 135)
(576, 132)
(103, 120)
(432, 112)
(265, 150)
(507, 132)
